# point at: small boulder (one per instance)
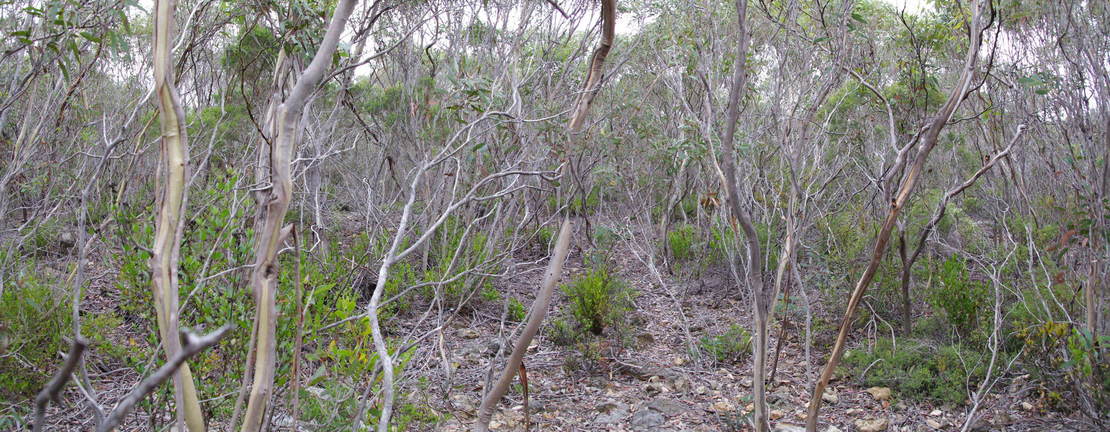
(467, 333)
(872, 424)
(668, 407)
(830, 397)
(880, 393)
(646, 420)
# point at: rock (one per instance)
(668, 407)
(853, 411)
(1027, 406)
(872, 424)
(678, 361)
(776, 414)
(467, 333)
(646, 420)
(833, 429)
(465, 403)
(654, 388)
(610, 413)
(67, 240)
(880, 393)
(933, 424)
(701, 390)
(722, 406)
(746, 382)
(779, 396)
(681, 384)
(786, 427)
(935, 413)
(830, 397)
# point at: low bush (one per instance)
(959, 298)
(729, 347)
(918, 371)
(33, 318)
(598, 316)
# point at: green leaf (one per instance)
(91, 37)
(856, 16)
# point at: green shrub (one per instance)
(918, 371)
(959, 298)
(598, 299)
(33, 319)
(729, 347)
(681, 242)
(598, 317)
(517, 311)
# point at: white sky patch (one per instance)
(912, 6)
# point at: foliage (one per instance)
(919, 371)
(729, 347)
(960, 299)
(598, 299)
(681, 242)
(33, 319)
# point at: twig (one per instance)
(54, 387)
(192, 345)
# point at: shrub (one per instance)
(596, 319)
(33, 319)
(598, 299)
(960, 299)
(728, 347)
(918, 371)
(681, 242)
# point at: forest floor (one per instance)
(652, 383)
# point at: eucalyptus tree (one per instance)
(590, 87)
(903, 177)
(171, 220)
(287, 127)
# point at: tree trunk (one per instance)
(170, 224)
(928, 141)
(265, 273)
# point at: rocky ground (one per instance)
(655, 385)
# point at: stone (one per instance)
(668, 407)
(833, 429)
(776, 414)
(872, 424)
(1027, 406)
(853, 411)
(722, 406)
(701, 390)
(933, 424)
(646, 420)
(830, 397)
(465, 403)
(779, 396)
(610, 413)
(880, 393)
(746, 382)
(467, 333)
(654, 388)
(935, 413)
(786, 427)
